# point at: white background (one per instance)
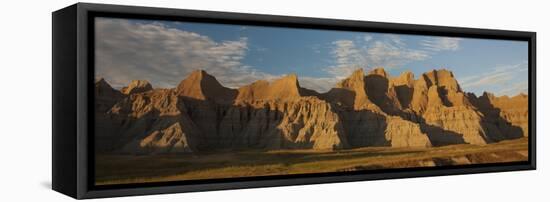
(25, 100)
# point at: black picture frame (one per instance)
(73, 77)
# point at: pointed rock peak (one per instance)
(202, 86)
(106, 94)
(198, 73)
(357, 78)
(438, 74)
(471, 95)
(379, 71)
(359, 73)
(101, 83)
(201, 78)
(442, 77)
(100, 80)
(405, 78)
(408, 75)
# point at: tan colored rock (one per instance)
(404, 88)
(137, 86)
(285, 88)
(403, 133)
(379, 72)
(380, 92)
(505, 117)
(362, 110)
(149, 122)
(405, 79)
(351, 92)
(303, 123)
(514, 110)
(419, 101)
(200, 85)
(434, 98)
(170, 139)
(443, 78)
(455, 125)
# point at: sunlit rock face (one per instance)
(363, 110)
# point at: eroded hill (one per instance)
(362, 110)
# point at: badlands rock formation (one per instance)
(137, 86)
(362, 110)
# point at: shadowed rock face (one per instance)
(506, 117)
(105, 96)
(362, 110)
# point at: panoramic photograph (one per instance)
(179, 101)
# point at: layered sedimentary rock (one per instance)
(403, 133)
(148, 122)
(305, 123)
(446, 111)
(362, 110)
(506, 117)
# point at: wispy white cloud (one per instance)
(514, 89)
(505, 78)
(163, 55)
(389, 52)
(348, 57)
(367, 38)
(393, 54)
(441, 43)
(127, 50)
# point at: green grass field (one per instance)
(123, 169)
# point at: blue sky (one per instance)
(164, 52)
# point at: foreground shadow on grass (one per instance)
(125, 167)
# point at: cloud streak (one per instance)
(127, 50)
(388, 51)
(504, 78)
(441, 43)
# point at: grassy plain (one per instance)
(123, 169)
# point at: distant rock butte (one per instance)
(285, 88)
(200, 85)
(362, 110)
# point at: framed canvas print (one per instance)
(154, 100)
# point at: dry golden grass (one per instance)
(160, 168)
